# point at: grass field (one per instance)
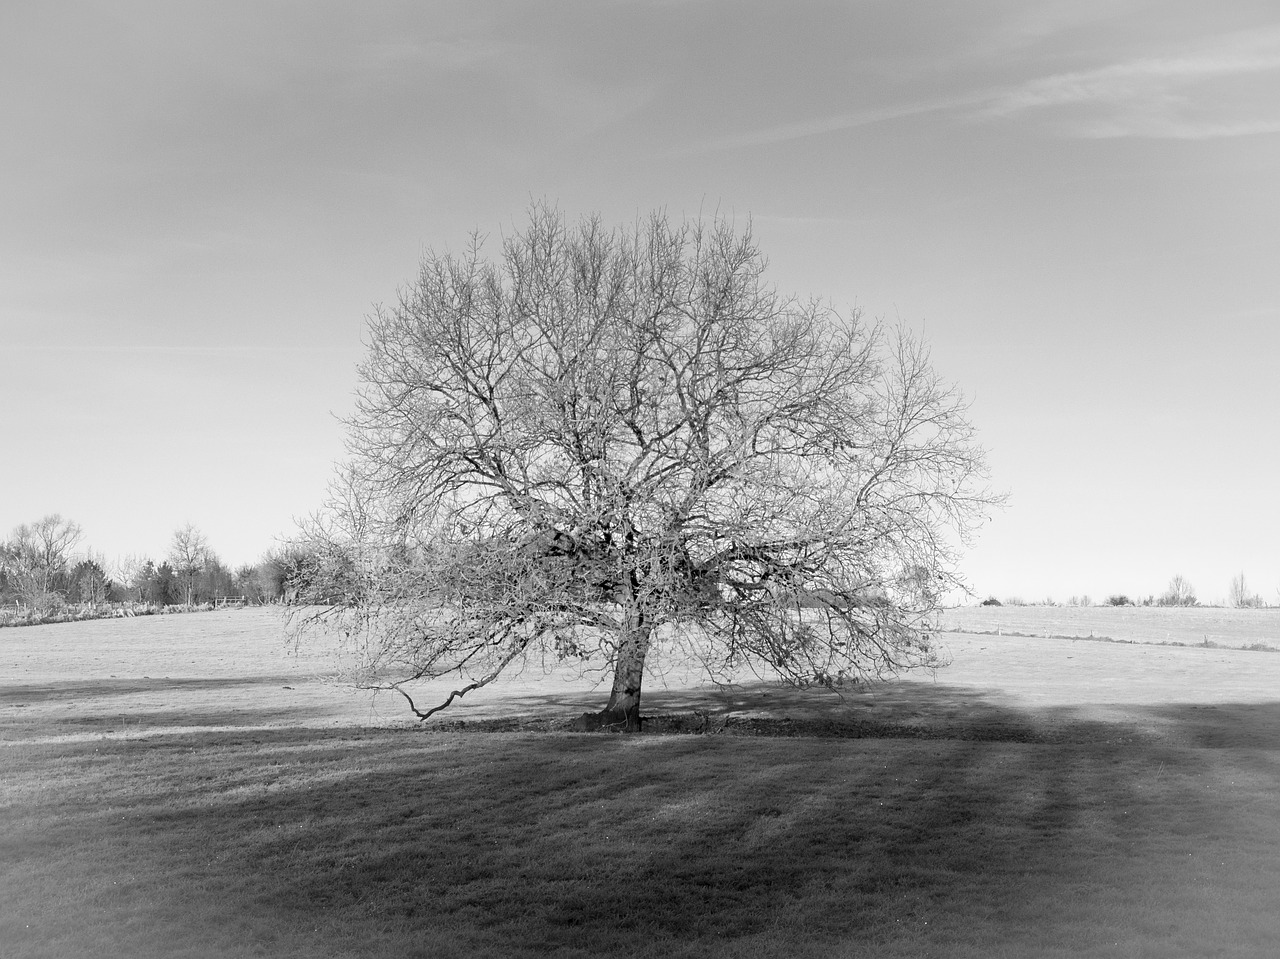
(184, 786)
(1189, 626)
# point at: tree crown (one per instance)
(608, 431)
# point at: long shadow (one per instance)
(896, 813)
(159, 722)
(142, 706)
(1247, 726)
(894, 710)
(84, 689)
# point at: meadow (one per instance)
(1187, 626)
(190, 786)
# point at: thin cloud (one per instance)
(1211, 92)
(1174, 128)
(818, 126)
(1124, 82)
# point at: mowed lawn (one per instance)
(185, 787)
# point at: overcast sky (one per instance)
(1077, 202)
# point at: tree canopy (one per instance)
(36, 556)
(610, 437)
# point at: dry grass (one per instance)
(997, 814)
(1187, 626)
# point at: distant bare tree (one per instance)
(188, 552)
(36, 555)
(127, 571)
(1238, 595)
(1180, 592)
(616, 436)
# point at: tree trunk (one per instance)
(623, 712)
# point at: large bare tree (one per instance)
(613, 437)
(1179, 593)
(36, 557)
(188, 553)
(1240, 595)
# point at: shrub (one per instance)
(1119, 599)
(991, 601)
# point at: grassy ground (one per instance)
(1037, 798)
(1192, 626)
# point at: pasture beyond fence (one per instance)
(21, 614)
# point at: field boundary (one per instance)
(1092, 638)
(20, 615)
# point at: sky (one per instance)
(1077, 203)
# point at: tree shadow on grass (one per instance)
(94, 689)
(145, 706)
(893, 710)
(1048, 829)
(911, 821)
(1248, 726)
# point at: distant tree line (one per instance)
(43, 568)
(1179, 592)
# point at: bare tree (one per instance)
(188, 553)
(1239, 594)
(36, 556)
(616, 438)
(1180, 592)
(128, 572)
